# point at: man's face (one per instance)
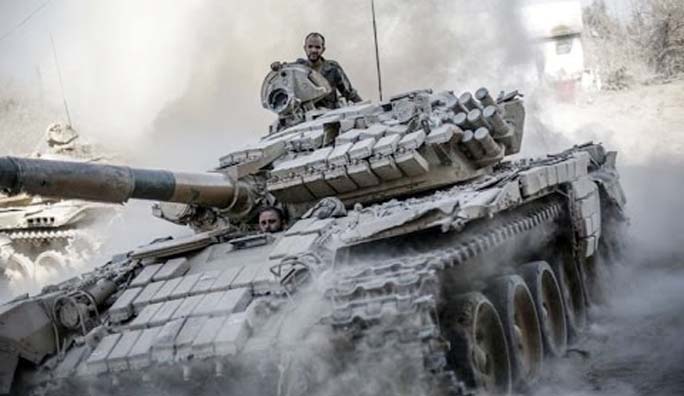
(313, 46)
(269, 221)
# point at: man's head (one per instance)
(271, 219)
(314, 46)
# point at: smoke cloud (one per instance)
(178, 87)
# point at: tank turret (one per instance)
(49, 238)
(416, 142)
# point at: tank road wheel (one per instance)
(478, 350)
(52, 259)
(17, 269)
(571, 286)
(518, 315)
(49, 264)
(548, 300)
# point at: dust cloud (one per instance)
(178, 86)
(632, 346)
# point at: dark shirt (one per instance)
(332, 71)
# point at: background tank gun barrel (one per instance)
(118, 184)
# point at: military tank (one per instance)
(42, 237)
(417, 261)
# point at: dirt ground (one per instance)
(633, 346)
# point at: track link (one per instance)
(385, 307)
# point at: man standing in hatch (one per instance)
(314, 46)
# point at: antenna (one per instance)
(61, 85)
(377, 54)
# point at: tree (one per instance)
(659, 29)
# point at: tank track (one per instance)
(44, 235)
(395, 304)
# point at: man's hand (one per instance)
(275, 66)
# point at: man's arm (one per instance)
(345, 87)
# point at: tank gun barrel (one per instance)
(118, 184)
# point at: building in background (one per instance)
(557, 28)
